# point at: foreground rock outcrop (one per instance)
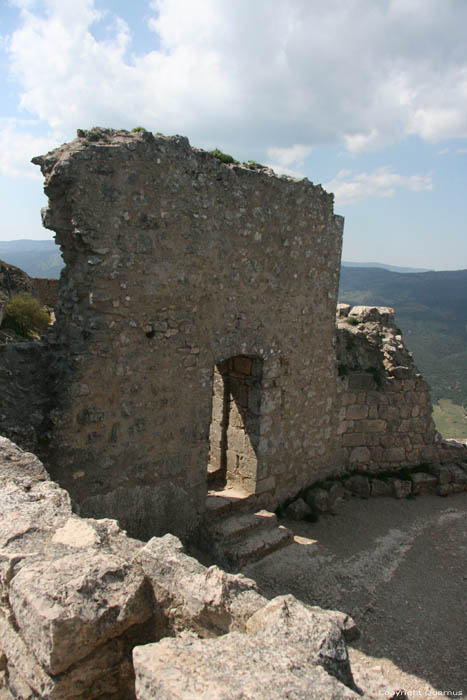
(84, 609)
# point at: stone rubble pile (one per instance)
(326, 497)
(89, 613)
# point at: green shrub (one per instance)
(26, 316)
(138, 128)
(253, 165)
(224, 157)
(352, 320)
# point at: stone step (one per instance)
(256, 546)
(221, 503)
(238, 526)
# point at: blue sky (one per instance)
(368, 98)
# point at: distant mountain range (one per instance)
(37, 258)
(392, 268)
(431, 310)
(43, 259)
(431, 307)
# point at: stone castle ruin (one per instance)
(195, 351)
(195, 340)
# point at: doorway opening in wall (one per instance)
(234, 431)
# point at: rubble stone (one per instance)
(358, 485)
(297, 510)
(401, 488)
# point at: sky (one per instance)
(366, 97)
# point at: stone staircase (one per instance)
(236, 535)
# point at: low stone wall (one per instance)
(80, 602)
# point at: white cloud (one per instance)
(245, 75)
(18, 145)
(289, 161)
(349, 187)
(287, 156)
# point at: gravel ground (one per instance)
(399, 567)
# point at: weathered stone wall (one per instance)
(45, 289)
(80, 600)
(24, 403)
(384, 412)
(177, 262)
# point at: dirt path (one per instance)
(399, 567)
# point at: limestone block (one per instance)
(423, 483)
(315, 636)
(360, 455)
(459, 476)
(343, 310)
(442, 473)
(65, 607)
(401, 488)
(395, 454)
(358, 485)
(209, 601)
(344, 426)
(231, 667)
(16, 464)
(356, 412)
(366, 314)
(390, 412)
(381, 488)
(31, 508)
(297, 510)
(354, 440)
(374, 426)
(88, 679)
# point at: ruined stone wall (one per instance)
(176, 262)
(84, 608)
(24, 400)
(45, 289)
(384, 411)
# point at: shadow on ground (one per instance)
(399, 567)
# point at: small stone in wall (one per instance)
(401, 488)
(358, 485)
(448, 489)
(423, 483)
(459, 476)
(381, 488)
(442, 473)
